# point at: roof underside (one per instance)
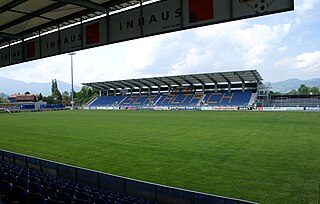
(27, 18)
(181, 80)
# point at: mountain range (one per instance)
(288, 85)
(11, 86)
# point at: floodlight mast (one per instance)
(72, 91)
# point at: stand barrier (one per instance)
(127, 186)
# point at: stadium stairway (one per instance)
(108, 100)
(91, 101)
(27, 186)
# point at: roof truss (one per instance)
(85, 3)
(192, 80)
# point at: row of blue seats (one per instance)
(26, 186)
(236, 98)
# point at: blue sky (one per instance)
(279, 46)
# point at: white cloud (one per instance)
(309, 61)
(282, 49)
(230, 46)
(303, 6)
(41, 71)
(245, 44)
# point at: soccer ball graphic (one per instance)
(261, 6)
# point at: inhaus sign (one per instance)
(160, 17)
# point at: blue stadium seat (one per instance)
(5, 191)
(2, 175)
(70, 191)
(12, 179)
(33, 179)
(48, 193)
(80, 201)
(107, 101)
(55, 187)
(82, 195)
(34, 187)
(43, 183)
(22, 182)
(38, 193)
(235, 98)
(52, 201)
(36, 198)
(65, 197)
(97, 200)
(19, 195)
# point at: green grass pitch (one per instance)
(267, 157)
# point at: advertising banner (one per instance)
(274, 109)
(224, 108)
(206, 108)
(161, 17)
(50, 44)
(95, 33)
(16, 53)
(125, 25)
(312, 108)
(161, 108)
(70, 39)
(246, 9)
(4, 56)
(206, 12)
(32, 49)
(150, 19)
(294, 108)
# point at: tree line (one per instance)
(302, 90)
(83, 96)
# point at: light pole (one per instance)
(72, 97)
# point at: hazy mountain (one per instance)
(2, 95)
(11, 86)
(288, 85)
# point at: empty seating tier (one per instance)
(26, 186)
(235, 98)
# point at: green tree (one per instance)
(293, 92)
(303, 89)
(55, 90)
(48, 99)
(40, 97)
(65, 94)
(314, 90)
(3, 100)
(86, 93)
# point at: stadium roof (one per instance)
(28, 18)
(179, 80)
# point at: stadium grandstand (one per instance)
(209, 90)
(287, 100)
